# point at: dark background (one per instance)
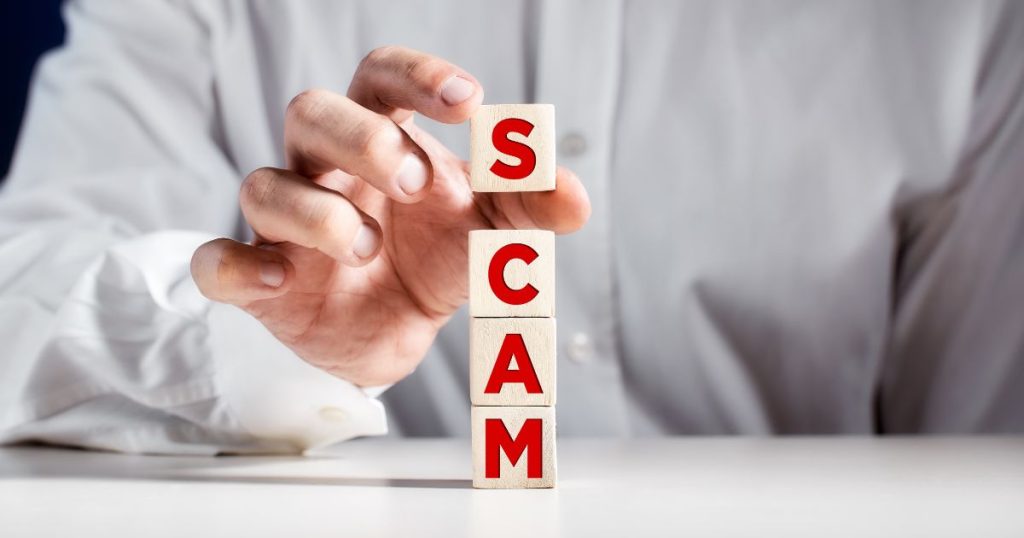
(29, 28)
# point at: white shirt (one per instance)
(807, 218)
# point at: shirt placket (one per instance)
(578, 63)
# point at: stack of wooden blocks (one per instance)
(512, 305)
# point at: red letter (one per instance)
(513, 346)
(496, 273)
(497, 439)
(527, 158)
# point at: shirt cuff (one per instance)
(274, 394)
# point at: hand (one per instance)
(361, 249)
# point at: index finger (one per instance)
(396, 81)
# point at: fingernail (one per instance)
(366, 241)
(457, 90)
(412, 176)
(272, 274)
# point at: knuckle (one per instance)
(377, 136)
(308, 105)
(318, 219)
(377, 57)
(229, 267)
(329, 220)
(424, 71)
(213, 267)
(257, 187)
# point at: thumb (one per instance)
(235, 273)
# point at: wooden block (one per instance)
(512, 361)
(512, 148)
(514, 447)
(511, 274)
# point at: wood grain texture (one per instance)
(540, 273)
(486, 336)
(483, 154)
(514, 476)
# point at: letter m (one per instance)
(497, 439)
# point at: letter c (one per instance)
(496, 274)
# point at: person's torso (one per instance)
(745, 163)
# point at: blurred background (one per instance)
(30, 28)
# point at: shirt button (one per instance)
(572, 145)
(332, 414)
(581, 348)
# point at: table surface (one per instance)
(795, 486)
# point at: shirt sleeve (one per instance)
(119, 175)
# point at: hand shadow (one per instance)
(69, 463)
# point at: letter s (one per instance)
(527, 158)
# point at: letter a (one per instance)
(513, 346)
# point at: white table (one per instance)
(840, 486)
